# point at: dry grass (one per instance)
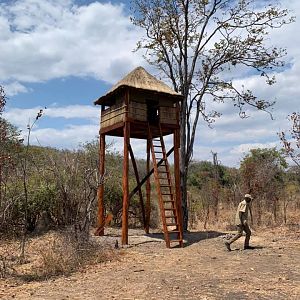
(203, 269)
(59, 257)
(226, 220)
(53, 254)
(8, 258)
(6, 265)
(64, 255)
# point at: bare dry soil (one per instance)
(203, 269)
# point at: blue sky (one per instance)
(64, 54)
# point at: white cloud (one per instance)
(52, 39)
(243, 149)
(21, 117)
(233, 137)
(14, 88)
(67, 135)
(42, 40)
(74, 111)
(70, 137)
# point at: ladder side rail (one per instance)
(158, 189)
(166, 162)
(169, 178)
(174, 206)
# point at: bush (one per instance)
(63, 255)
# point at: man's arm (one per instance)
(251, 216)
(242, 219)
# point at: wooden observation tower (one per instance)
(142, 107)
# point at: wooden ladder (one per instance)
(165, 190)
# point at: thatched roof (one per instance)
(140, 79)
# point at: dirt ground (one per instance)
(203, 269)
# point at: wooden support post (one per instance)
(101, 216)
(138, 182)
(148, 190)
(126, 134)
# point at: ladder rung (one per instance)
(163, 180)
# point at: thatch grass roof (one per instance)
(140, 79)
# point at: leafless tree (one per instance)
(2, 135)
(291, 142)
(24, 166)
(76, 176)
(198, 45)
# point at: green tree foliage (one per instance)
(10, 144)
(196, 44)
(262, 173)
(200, 172)
(261, 167)
(209, 187)
(291, 141)
(62, 184)
(2, 100)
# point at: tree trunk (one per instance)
(183, 181)
(183, 163)
(183, 188)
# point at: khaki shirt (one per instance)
(244, 209)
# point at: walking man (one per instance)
(241, 220)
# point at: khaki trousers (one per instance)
(242, 228)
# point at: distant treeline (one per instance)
(48, 188)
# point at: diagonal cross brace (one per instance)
(136, 189)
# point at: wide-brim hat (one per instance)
(248, 196)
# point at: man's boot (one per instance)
(227, 245)
(248, 248)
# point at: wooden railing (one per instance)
(113, 115)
